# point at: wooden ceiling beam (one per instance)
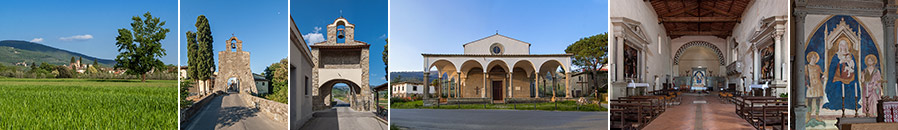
(711, 33)
(719, 11)
(699, 19)
(680, 11)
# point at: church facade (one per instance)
(499, 69)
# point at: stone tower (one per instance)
(341, 62)
(233, 65)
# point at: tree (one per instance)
(200, 59)
(80, 60)
(143, 56)
(276, 73)
(385, 57)
(95, 63)
(73, 60)
(590, 53)
(192, 56)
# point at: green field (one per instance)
(88, 104)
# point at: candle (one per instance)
(843, 90)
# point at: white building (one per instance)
(300, 78)
(262, 85)
(408, 89)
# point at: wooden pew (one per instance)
(762, 112)
(633, 112)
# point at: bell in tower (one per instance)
(341, 33)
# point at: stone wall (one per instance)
(473, 84)
(233, 64)
(275, 110)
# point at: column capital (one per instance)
(888, 20)
(799, 14)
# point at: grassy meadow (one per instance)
(87, 104)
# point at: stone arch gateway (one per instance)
(234, 64)
(345, 62)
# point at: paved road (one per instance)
(230, 112)
(341, 117)
(497, 119)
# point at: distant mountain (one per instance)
(15, 51)
(410, 76)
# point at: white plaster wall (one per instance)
(354, 75)
(300, 103)
(511, 46)
(680, 41)
(657, 57)
(742, 34)
(874, 27)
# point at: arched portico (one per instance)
(497, 77)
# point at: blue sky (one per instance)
(443, 26)
(368, 16)
(261, 25)
(85, 26)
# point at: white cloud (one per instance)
(314, 37)
(37, 40)
(382, 36)
(77, 37)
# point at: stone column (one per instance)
(567, 85)
(426, 85)
(457, 84)
(510, 90)
(888, 25)
(756, 61)
(483, 90)
(798, 72)
(778, 55)
(439, 86)
(536, 84)
(463, 85)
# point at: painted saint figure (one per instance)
(872, 82)
(843, 83)
(845, 68)
(815, 90)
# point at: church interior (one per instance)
(699, 64)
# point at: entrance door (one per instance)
(497, 90)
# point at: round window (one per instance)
(496, 48)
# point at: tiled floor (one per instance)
(692, 114)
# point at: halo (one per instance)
(870, 57)
(814, 55)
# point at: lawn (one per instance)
(548, 106)
(88, 104)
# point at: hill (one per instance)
(410, 76)
(14, 51)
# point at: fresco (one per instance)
(843, 71)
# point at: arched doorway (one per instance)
(233, 85)
(352, 97)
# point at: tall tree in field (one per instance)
(590, 53)
(141, 49)
(200, 59)
(73, 60)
